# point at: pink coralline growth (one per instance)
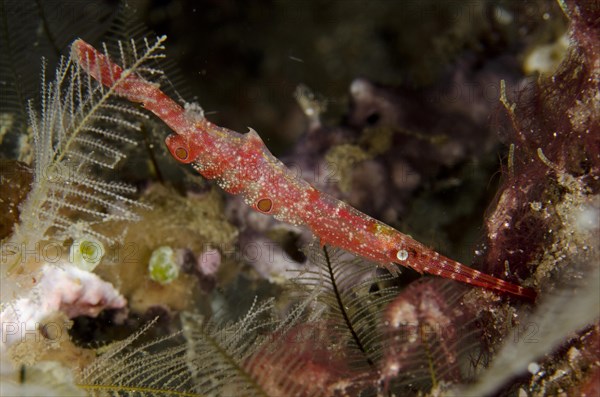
(78, 293)
(209, 261)
(306, 361)
(73, 291)
(207, 265)
(426, 329)
(65, 289)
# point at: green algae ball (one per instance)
(86, 253)
(162, 266)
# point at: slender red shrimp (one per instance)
(242, 164)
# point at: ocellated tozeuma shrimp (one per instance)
(242, 164)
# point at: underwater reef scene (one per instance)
(471, 126)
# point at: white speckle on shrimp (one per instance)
(402, 255)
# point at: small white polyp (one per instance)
(533, 368)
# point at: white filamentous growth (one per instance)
(194, 111)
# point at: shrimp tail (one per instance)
(450, 269)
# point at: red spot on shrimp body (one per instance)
(181, 148)
(264, 205)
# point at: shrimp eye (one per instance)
(264, 205)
